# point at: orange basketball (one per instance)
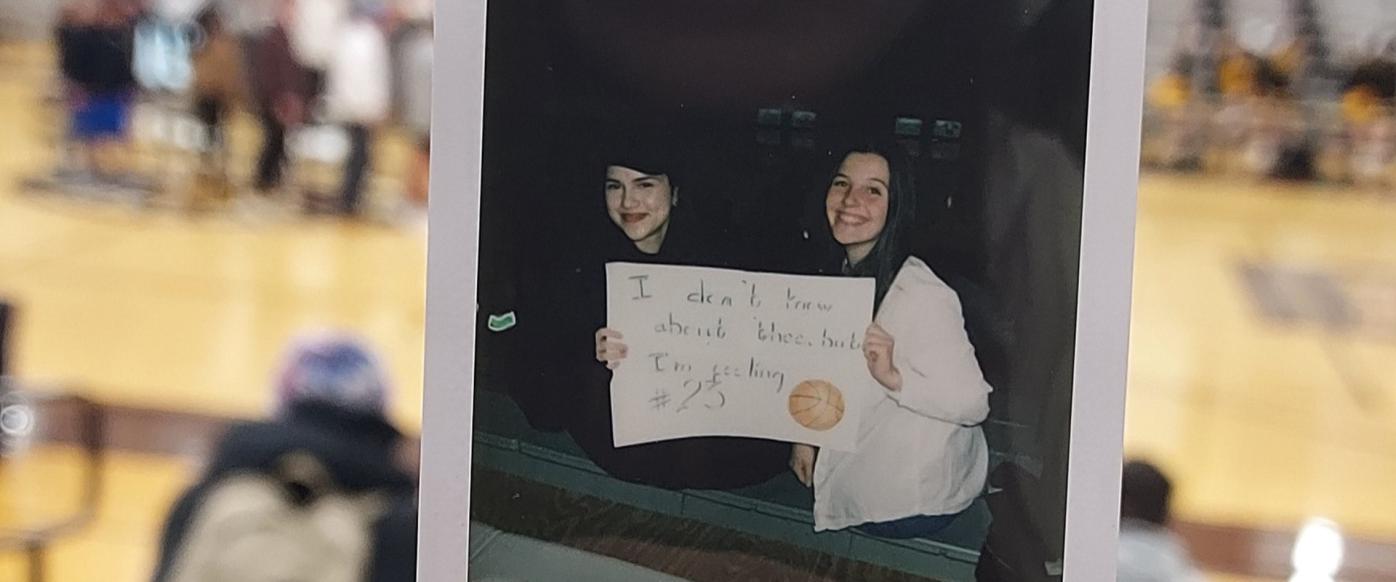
(816, 405)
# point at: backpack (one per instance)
(294, 525)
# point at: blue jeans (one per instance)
(916, 526)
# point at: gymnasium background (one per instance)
(141, 320)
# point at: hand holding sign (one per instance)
(877, 348)
(609, 349)
(802, 463)
(732, 353)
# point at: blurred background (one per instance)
(186, 186)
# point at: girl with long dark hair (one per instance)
(649, 219)
(921, 457)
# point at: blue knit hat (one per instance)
(332, 368)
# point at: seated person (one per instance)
(921, 457)
(649, 223)
(1148, 550)
(317, 489)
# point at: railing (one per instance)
(27, 416)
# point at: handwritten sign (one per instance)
(717, 352)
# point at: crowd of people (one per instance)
(352, 65)
(1281, 113)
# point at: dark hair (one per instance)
(889, 252)
(649, 148)
(1145, 493)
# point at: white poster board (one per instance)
(718, 352)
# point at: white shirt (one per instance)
(1150, 553)
(921, 450)
(359, 79)
(316, 30)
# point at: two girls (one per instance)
(921, 456)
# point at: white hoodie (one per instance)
(921, 450)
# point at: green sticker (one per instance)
(498, 323)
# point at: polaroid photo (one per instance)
(779, 290)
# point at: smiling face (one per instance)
(640, 203)
(857, 202)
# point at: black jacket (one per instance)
(98, 58)
(358, 451)
(569, 389)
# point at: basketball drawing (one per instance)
(816, 405)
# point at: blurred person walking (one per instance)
(96, 42)
(75, 17)
(358, 93)
(247, 21)
(1148, 551)
(315, 36)
(315, 494)
(217, 76)
(217, 87)
(408, 19)
(414, 64)
(280, 91)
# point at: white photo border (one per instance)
(458, 106)
(1108, 211)
(1102, 334)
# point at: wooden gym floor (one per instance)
(1263, 367)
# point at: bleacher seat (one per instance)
(778, 510)
(496, 556)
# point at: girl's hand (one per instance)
(802, 463)
(877, 348)
(609, 349)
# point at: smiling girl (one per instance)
(921, 456)
(650, 221)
